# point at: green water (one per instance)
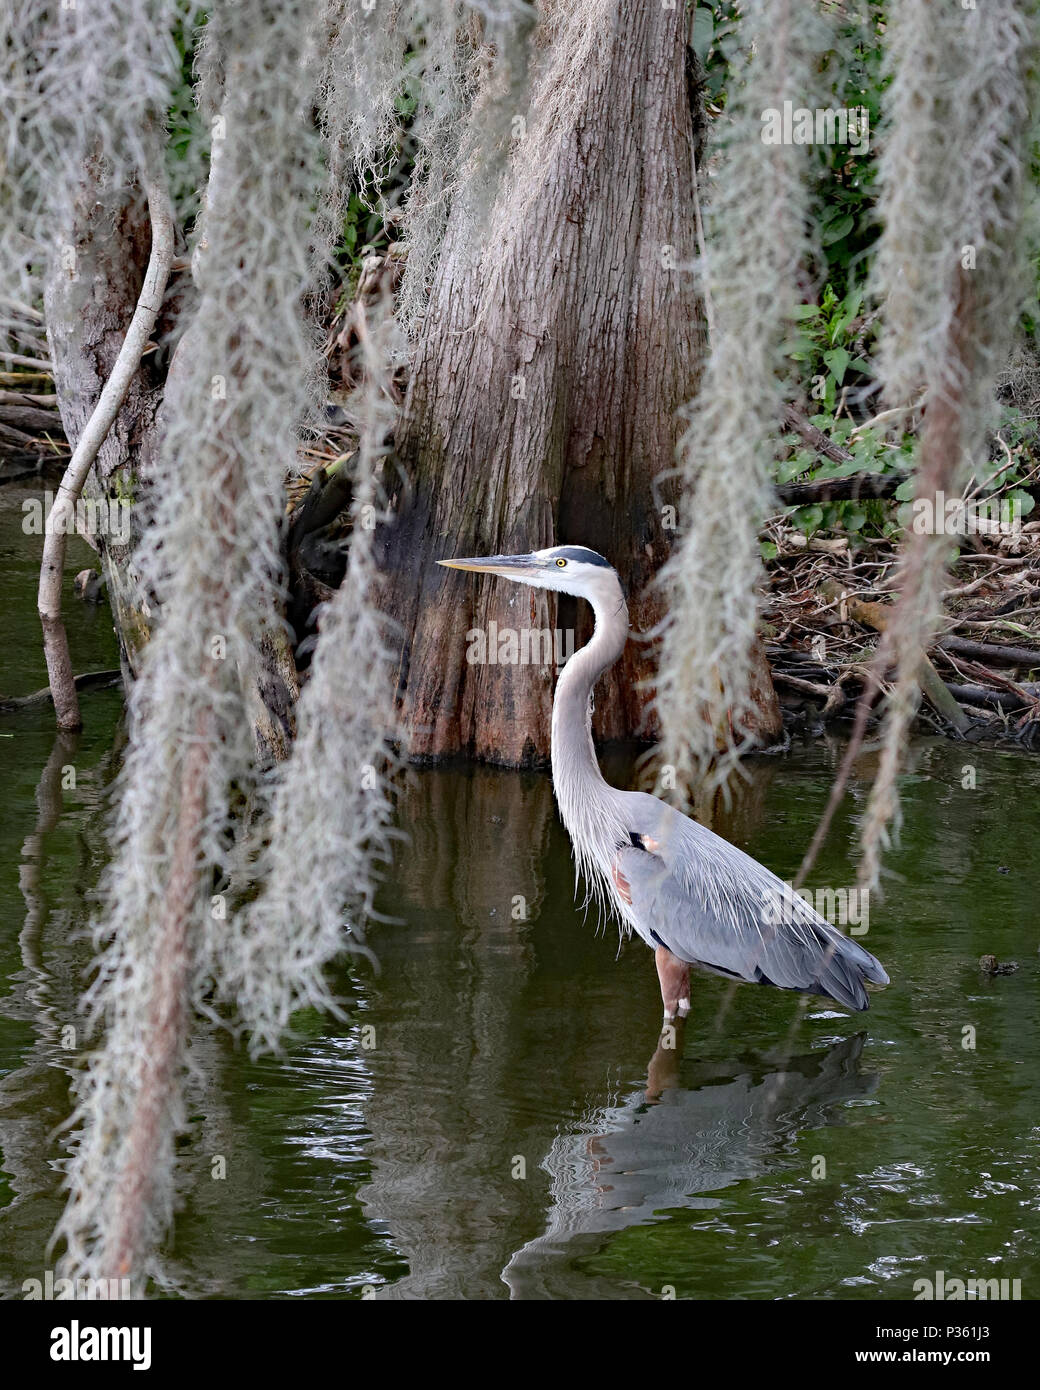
(496, 1117)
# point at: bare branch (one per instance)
(55, 639)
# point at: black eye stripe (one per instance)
(583, 555)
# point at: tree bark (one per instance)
(542, 405)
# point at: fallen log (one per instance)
(23, 378)
(29, 417)
(17, 439)
(992, 652)
(855, 487)
(90, 680)
(29, 398)
(821, 692)
(993, 699)
(17, 359)
(833, 696)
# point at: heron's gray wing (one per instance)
(714, 906)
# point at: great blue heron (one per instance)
(695, 899)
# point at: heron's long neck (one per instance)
(576, 774)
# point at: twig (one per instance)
(871, 690)
(709, 307)
(803, 426)
(885, 415)
(55, 638)
(17, 360)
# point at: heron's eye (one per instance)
(562, 563)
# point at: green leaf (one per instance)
(853, 304)
(789, 468)
(702, 32)
(1026, 501)
(848, 469)
(837, 230)
(769, 550)
(837, 361)
(905, 492)
(806, 311)
(808, 519)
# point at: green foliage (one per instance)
(852, 79)
(1007, 475)
(870, 454)
(367, 228)
(829, 342)
(715, 35)
(849, 77)
(364, 234)
(1004, 476)
(702, 32)
(188, 141)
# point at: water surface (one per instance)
(497, 1118)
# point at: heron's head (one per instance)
(570, 569)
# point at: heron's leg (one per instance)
(674, 975)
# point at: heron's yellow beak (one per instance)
(509, 566)
(464, 564)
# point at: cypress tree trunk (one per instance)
(542, 405)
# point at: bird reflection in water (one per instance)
(696, 1129)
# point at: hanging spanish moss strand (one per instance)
(499, 75)
(210, 560)
(758, 241)
(950, 279)
(573, 41)
(435, 59)
(330, 804)
(75, 82)
(450, 80)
